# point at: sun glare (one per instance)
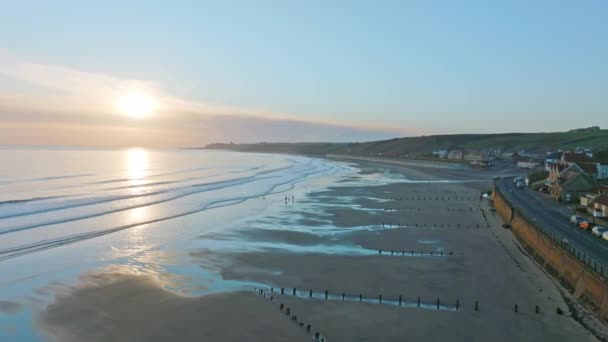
(137, 163)
(137, 105)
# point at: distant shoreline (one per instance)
(408, 162)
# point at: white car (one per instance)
(518, 179)
(598, 231)
(605, 236)
(576, 219)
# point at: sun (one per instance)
(136, 105)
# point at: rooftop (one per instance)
(590, 169)
(603, 200)
(577, 158)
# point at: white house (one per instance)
(602, 171)
(599, 206)
(441, 153)
(588, 199)
(527, 164)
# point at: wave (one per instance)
(42, 179)
(26, 200)
(82, 217)
(41, 245)
(70, 204)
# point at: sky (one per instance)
(248, 71)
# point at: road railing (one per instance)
(558, 239)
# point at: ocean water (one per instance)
(64, 212)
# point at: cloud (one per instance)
(66, 105)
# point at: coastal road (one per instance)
(550, 216)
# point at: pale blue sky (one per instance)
(428, 66)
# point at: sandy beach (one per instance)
(429, 235)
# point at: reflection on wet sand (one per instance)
(338, 253)
(127, 307)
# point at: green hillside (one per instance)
(424, 145)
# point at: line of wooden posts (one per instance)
(400, 301)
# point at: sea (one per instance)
(66, 211)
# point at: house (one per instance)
(587, 200)
(601, 190)
(584, 150)
(528, 164)
(455, 154)
(599, 206)
(491, 153)
(569, 186)
(602, 171)
(589, 168)
(550, 159)
(556, 170)
(575, 158)
(516, 158)
(584, 162)
(524, 153)
(441, 153)
(475, 155)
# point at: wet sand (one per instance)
(474, 259)
(122, 307)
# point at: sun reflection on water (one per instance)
(137, 165)
(138, 214)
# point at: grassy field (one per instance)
(424, 145)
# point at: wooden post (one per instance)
(418, 301)
(325, 294)
(399, 300)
